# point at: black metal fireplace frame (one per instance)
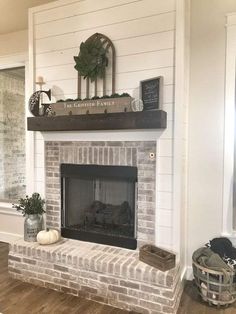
(125, 242)
(84, 171)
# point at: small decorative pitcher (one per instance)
(32, 226)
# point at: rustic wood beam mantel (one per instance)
(156, 119)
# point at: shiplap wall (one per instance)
(143, 33)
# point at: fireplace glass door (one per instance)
(98, 203)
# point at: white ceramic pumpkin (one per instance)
(48, 236)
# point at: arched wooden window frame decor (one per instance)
(108, 45)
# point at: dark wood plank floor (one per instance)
(191, 303)
(17, 297)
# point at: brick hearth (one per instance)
(102, 273)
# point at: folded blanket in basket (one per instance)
(207, 258)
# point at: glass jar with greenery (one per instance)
(32, 209)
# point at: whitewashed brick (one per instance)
(131, 280)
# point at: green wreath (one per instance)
(92, 60)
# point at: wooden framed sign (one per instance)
(151, 93)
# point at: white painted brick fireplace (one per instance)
(77, 267)
(162, 169)
(117, 153)
(94, 270)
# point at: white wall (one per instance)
(143, 33)
(13, 43)
(11, 223)
(206, 120)
(13, 52)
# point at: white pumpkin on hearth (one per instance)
(48, 236)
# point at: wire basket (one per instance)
(215, 287)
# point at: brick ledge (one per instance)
(101, 273)
(108, 260)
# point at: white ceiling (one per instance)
(14, 14)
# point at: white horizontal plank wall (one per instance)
(143, 33)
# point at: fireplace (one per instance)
(108, 154)
(99, 204)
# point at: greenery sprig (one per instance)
(92, 60)
(31, 205)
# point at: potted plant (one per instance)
(32, 209)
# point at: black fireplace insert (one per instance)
(99, 204)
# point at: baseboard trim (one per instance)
(183, 274)
(9, 237)
(189, 273)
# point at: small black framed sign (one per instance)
(151, 93)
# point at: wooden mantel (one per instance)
(156, 119)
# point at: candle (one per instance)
(39, 80)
